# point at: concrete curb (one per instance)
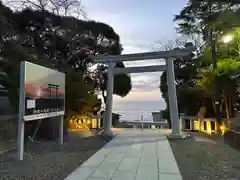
(109, 137)
(183, 135)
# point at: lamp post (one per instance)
(225, 39)
(142, 121)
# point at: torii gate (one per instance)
(169, 56)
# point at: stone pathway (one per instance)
(132, 155)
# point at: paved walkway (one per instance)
(132, 155)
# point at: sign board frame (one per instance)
(32, 107)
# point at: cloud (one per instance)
(140, 24)
(141, 96)
(144, 87)
(145, 82)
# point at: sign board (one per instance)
(43, 92)
(41, 95)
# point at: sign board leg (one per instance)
(61, 130)
(20, 147)
(21, 111)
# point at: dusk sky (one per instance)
(140, 24)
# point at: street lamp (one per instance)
(213, 40)
(227, 38)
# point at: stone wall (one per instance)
(232, 139)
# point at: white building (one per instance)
(157, 118)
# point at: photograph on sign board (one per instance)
(44, 91)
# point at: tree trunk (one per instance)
(104, 98)
(214, 107)
(221, 106)
(227, 106)
(230, 105)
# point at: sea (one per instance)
(132, 110)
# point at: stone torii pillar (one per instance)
(108, 113)
(172, 96)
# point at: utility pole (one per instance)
(142, 120)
